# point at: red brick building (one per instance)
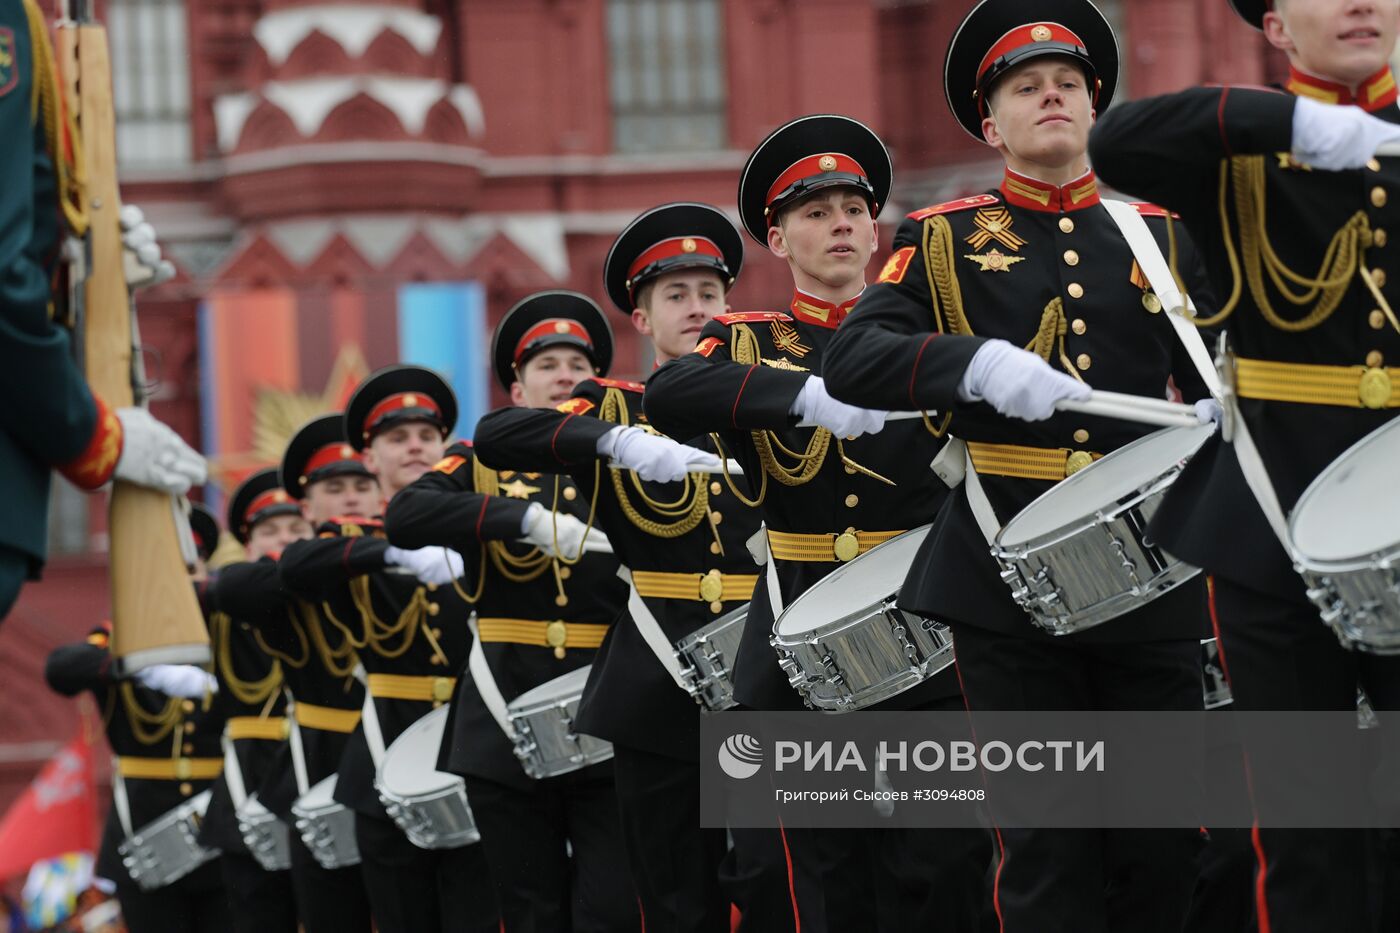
(320, 157)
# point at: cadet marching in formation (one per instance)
(557, 602)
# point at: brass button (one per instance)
(1376, 319)
(1151, 302)
(432, 587)
(187, 706)
(1071, 258)
(851, 470)
(189, 728)
(187, 748)
(434, 609)
(716, 607)
(1375, 358)
(1081, 436)
(716, 518)
(437, 632)
(1380, 238)
(570, 493)
(434, 660)
(711, 586)
(1078, 326)
(1075, 290)
(847, 545)
(186, 788)
(716, 488)
(714, 547)
(1374, 164)
(1076, 462)
(852, 501)
(442, 689)
(1379, 276)
(561, 600)
(565, 573)
(1066, 225)
(1082, 361)
(1375, 388)
(1378, 196)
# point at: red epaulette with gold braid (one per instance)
(1152, 210)
(952, 207)
(751, 317)
(622, 384)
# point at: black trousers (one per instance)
(1279, 656)
(1086, 880)
(674, 862)
(194, 904)
(413, 890)
(556, 854)
(259, 901)
(328, 900)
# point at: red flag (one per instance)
(56, 815)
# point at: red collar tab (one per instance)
(398, 402)
(1025, 36)
(268, 500)
(822, 313)
(673, 248)
(327, 456)
(622, 384)
(813, 166)
(1036, 195)
(560, 328)
(1375, 93)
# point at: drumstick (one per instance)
(1139, 408)
(731, 465)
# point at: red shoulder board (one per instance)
(707, 346)
(449, 465)
(751, 317)
(952, 207)
(576, 406)
(1152, 210)
(343, 520)
(622, 384)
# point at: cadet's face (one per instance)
(356, 496)
(1344, 40)
(827, 240)
(548, 378)
(403, 453)
(677, 305)
(1041, 114)
(272, 535)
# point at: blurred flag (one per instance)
(55, 816)
(52, 889)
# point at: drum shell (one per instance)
(707, 658)
(545, 742)
(863, 660)
(1360, 600)
(326, 826)
(435, 813)
(267, 838)
(167, 848)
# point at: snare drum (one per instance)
(1217, 691)
(1345, 531)
(429, 805)
(167, 848)
(326, 827)
(845, 645)
(1079, 555)
(707, 658)
(266, 836)
(543, 719)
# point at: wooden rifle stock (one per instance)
(156, 617)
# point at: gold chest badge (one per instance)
(787, 339)
(993, 225)
(995, 261)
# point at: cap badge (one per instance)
(560, 327)
(1041, 33)
(410, 401)
(827, 163)
(688, 245)
(279, 496)
(347, 452)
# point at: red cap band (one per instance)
(555, 326)
(811, 166)
(1027, 35)
(331, 453)
(675, 246)
(266, 500)
(398, 402)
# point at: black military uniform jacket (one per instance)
(740, 382)
(479, 512)
(144, 724)
(315, 660)
(630, 698)
(250, 692)
(1041, 267)
(400, 626)
(1179, 150)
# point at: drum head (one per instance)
(1351, 510)
(321, 794)
(409, 763)
(565, 685)
(854, 588)
(1103, 483)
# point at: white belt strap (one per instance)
(298, 750)
(486, 682)
(369, 720)
(775, 591)
(977, 499)
(651, 631)
(233, 773)
(120, 799)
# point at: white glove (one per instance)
(814, 405)
(154, 455)
(653, 458)
(1330, 137)
(1208, 411)
(543, 528)
(178, 680)
(429, 564)
(1016, 382)
(141, 255)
